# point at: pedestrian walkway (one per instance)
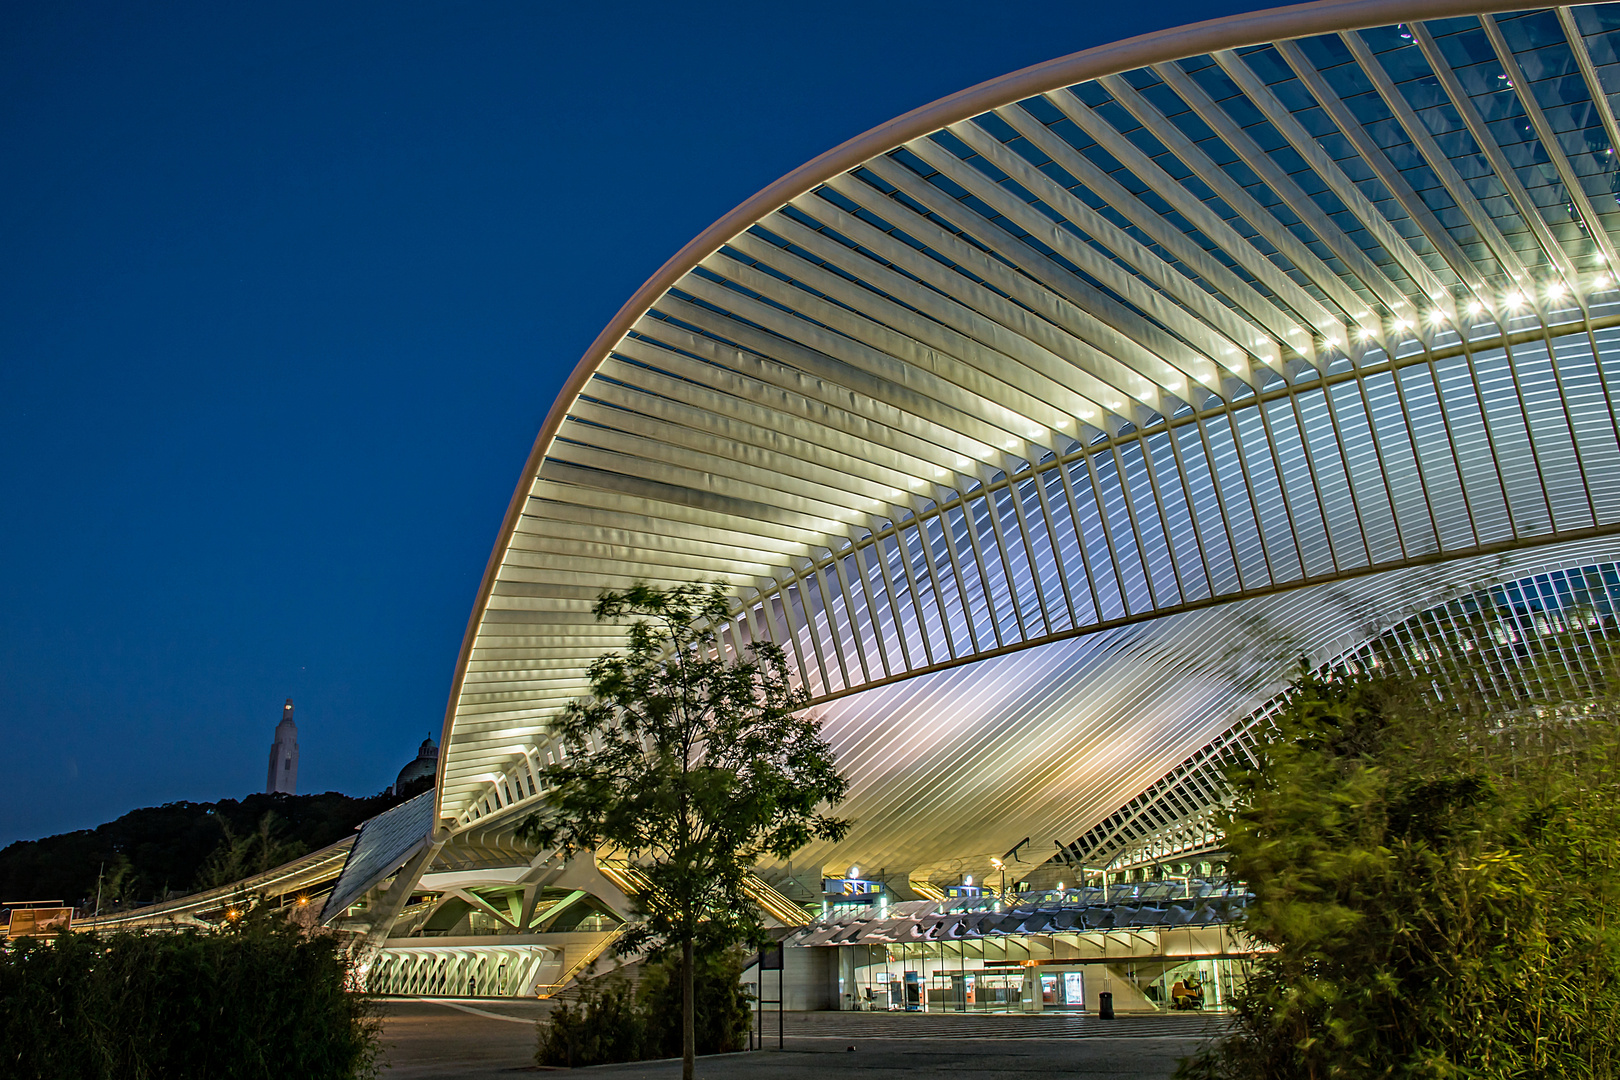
(482, 1039)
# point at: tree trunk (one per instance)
(688, 1011)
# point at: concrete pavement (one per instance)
(484, 1040)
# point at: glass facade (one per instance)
(1151, 946)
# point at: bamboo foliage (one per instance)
(1439, 873)
(256, 1000)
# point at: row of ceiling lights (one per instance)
(1515, 300)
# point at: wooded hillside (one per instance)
(176, 848)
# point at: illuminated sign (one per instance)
(39, 922)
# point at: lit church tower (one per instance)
(283, 775)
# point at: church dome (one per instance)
(426, 764)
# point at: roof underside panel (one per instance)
(1043, 409)
(1534, 639)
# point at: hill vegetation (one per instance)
(160, 851)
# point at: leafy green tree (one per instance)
(115, 884)
(242, 855)
(1439, 876)
(694, 767)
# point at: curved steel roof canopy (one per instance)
(1178, 357)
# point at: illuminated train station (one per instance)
(1047, 428)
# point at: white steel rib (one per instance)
(1049, 425)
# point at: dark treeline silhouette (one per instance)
(178, 847)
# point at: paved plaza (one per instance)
(436, 1040)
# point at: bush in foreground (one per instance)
(1439, 875)
(613, 1021)
(259, 1000)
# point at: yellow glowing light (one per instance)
(1514, 299)
(1402, 324)
(1365, 334)
(1336, 343)
(1601, 281)
(1475, 307)
(1555, 290)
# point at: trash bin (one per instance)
(1105, 1006)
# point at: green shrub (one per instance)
(256, 1000)
(1440, 879)
(611, 1021)
(602, 1027)
(721, 1014)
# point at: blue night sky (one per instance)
(285, 293)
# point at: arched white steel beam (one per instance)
(1059, 358)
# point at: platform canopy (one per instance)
(1049, 425)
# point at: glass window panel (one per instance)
(1366, 475)
(1545, 413)
(1241, 517)
(1155, 543)
(1299, 488)
(1515, 459)
(1207, 509)
(1063, 531)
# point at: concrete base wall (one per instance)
(809, 981)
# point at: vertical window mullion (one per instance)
(1034, 481)
(872, 613)
(818, 569)
(842, 574)
(882, 555)
(999, 531)
(1079, 538)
